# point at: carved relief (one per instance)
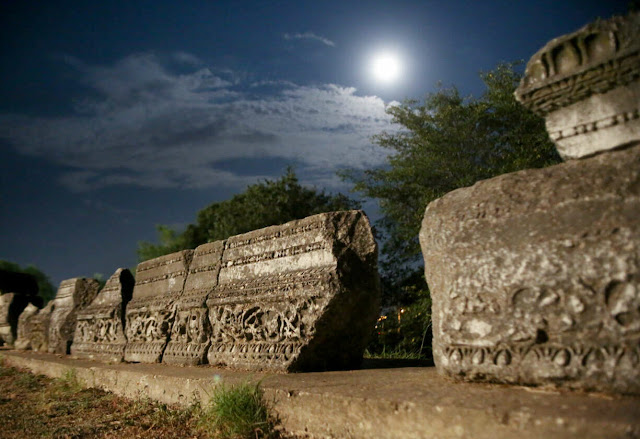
(100, 327)
(587, 86)
(539, 282)
(600, 56)
(286, 299)
(73, 296)
(189, 339)
(151, 312)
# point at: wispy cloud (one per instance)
(309, 36)
(147, 126)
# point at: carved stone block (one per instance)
(587, 86)
(37, 328)
(189, 340)
(17, 290)
(300, 296)
(73, 295)
(151, 311)
(535, 276)
(100, 326)
(23, 340)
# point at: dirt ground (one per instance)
(34, 406)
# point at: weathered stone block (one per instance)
(151, 312)
(535, 275)
(300, 296)
(17, 290)
(587, 86)
(73, 295)
(23, 340)
(191, 332)
(37, 328)
(100, 326)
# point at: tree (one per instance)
(262, 204)
(45, 288)
(444, 143)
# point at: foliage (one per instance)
(404, 332)
(238, 412)
(45, 288)
(444, 143)
(260, 205)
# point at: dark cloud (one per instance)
(148, 126)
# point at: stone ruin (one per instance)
(152, 310)
(282, 298)
(17, 291)
(535, 275)
(99, 330)
(73, 296)
(191, 331)
(34, 328)
(300, 296)
(24, 338)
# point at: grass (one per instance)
(238, 412)
(397, 354)
(37, 406)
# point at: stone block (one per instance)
(587, 86)
(100, 326)
(151, 312)
(23, 341)
(191, 332)
(535, 276)
(299, 296)
(37, 328)
(72, 296)
(17, 290)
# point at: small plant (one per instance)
(238, 412)
(68, 383)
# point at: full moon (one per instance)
(386, 67)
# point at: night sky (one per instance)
(119, 115)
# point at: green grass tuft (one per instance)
(69, 383)
(238, 412)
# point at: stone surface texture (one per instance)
(299, 296)
(73, 296)
(37, 328)
(23, 340)
(587, 86)
(151, 312)
(191, 332)
(535, 276)
(99, 330)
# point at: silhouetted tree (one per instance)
(262, 204)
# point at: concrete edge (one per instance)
(319, 405)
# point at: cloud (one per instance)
(309, 36)
(145, 125)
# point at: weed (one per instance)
(396, 354)
(69, 383)
(237, 412)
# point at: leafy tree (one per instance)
(447, 142)
(45, 288)
(260, 205)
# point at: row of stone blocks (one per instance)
(300, 296)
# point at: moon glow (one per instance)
(386, 67)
